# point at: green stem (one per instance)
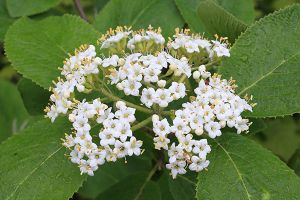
(167, 112)
(141, 124)
(115, 98)
(207, 65)
(151, 173)
(182, 79)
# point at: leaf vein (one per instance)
(269, 73)
(236, 169)
(32, 172)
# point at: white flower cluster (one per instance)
(135, 72)
(189, 152)
(137, 39)
(75, 70)
(197, 44)
(141, 66)
(116, 138)
(147, 36)
(215, 106)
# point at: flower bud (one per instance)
(196, 75)
(121, 61)
(155, 118)
(120, 86)
(161, 83)
(120, 105)
(202, 68)
(199, 131)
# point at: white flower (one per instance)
(161, 142)
(213, 129)
(175, 153)
(52, 113)
(112, 61)
(112, 40)
(186, 142)
(85, 168)
(163, 97)
(120, 149)
(177, 168)
(133, 146)
(99, 107)
(148, 97)
(220, 49)
(106, 116)
(161, 127)
(131, 87)
(76, 156)
(135, 72)
(125, 132)
(106, 137)
(198, 164)
(151, 74)
(191, 47)
(177, 90)
(81, 124)
(126, 114)
(180, 127)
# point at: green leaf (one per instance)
(18, 8)
(281, 137)
(217, 20)
(139, 14)
(111, 173)
(37, 48)
(257, 126)
(134, 187)
(34, 97)
(33, 164)
(294, 162)
(241, 169)
(188, 10)
(5, 20)
(183, 187)
(265, 60)
(13, 115)
(243, 11)
(163, 182)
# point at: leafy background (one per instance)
(36, 36)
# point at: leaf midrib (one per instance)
(32, 172)
(236, 169)
(269, 73)
(153, 170)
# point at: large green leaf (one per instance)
(37, 48)
(17, 8)
(5, 20)
(265, 60)
(183, 187)
(217, 20)
(163, 182)
(294, 162)
(34, 96)
(281, 137)
(13, 115)
(133, 187)
(139, 14)
(33, 164)
(110, 174)
(241, 169)
(244, 10)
